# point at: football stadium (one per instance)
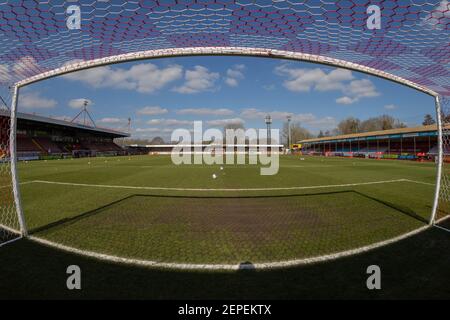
(139, 225)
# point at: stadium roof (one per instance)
(382, 133)
(411, 47)
(204, 145)
(63, 123)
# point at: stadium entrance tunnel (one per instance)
(230, 232)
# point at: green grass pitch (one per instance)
(312, 207)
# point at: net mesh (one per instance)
(9, 224)
(409, 43)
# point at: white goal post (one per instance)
(14, 174)
(439, 162)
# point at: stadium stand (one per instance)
(42, 137)
(417, 143)
(167, 148)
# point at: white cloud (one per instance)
(4, 73)
(334, 80)
(143, 78)
(345, 100)
(356, 90)
(206, 111)
(151, 111)
(363, 88)
(232, 82)
(304, 80)
(199, 79)
(151, 130)
(34, 100)
(79, 103)
(25, 66)
(72, 62)
(224, 122)
(390, 107)
(235, 74)
(112, 121)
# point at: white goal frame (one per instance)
(208, 51)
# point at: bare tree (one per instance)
(383, 122)
(298, 133)
(157, 140)
(428, 120)
(349, 125)
(234, 126)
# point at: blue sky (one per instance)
(164, 94)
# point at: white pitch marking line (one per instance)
(442, 228)
(139, 262)
(188, 266)
(442, 219)
(12, 230)
(421, 182)
(10, 185)
(213, 189)
(10, 241)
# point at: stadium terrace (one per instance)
(41, 137)
(419, 143)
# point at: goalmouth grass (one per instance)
(232, 230)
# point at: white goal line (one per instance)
(10, 185)
(262, 265)
(226, 189)
(12, 230)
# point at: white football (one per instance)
(221, 168)
(214, 176)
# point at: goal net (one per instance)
(9, 224)
(43, 40)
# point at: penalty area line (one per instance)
(221, 189)
(9, 229)
(21, 183)
(421, 182)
